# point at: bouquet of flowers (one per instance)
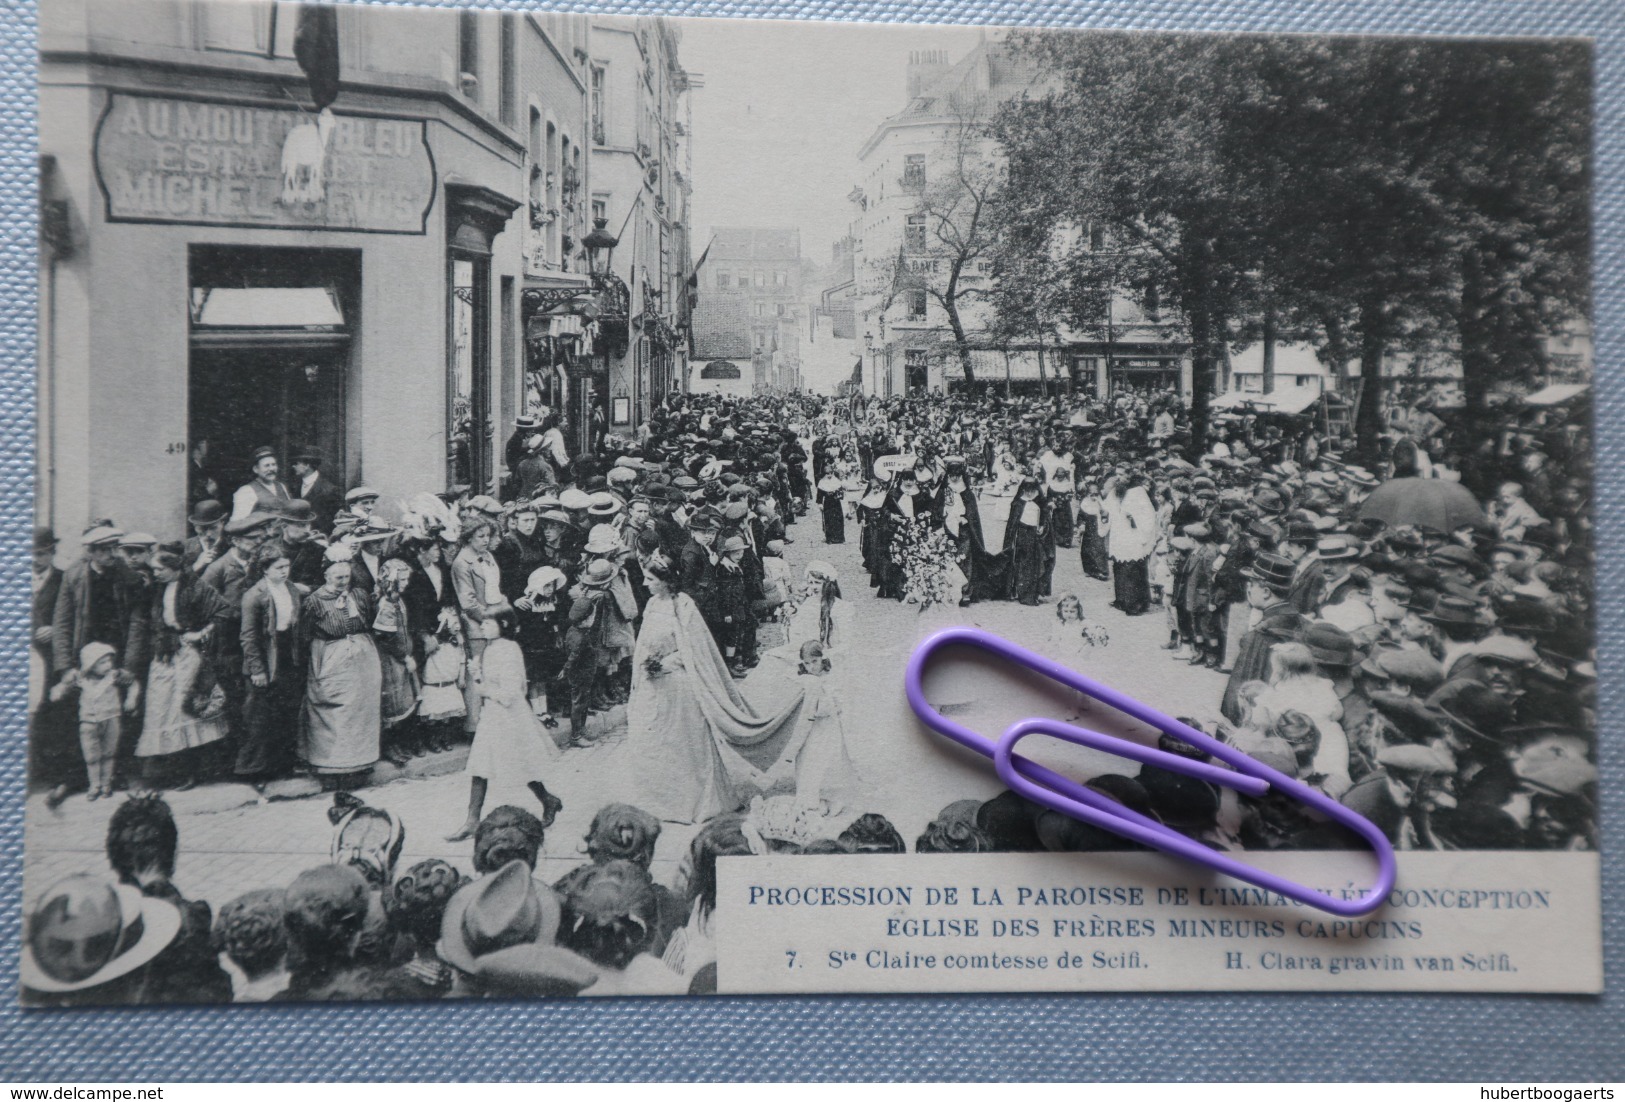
(1093, 634)
(929, 559)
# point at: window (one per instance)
(783, 308)
(761, 309)
(600, 209)
(469, 372)
(761, 279)
(468, 51)
(914, 171)
(250, 27)
(598, 91)
(744, 280)
(916, 369)
(1097, 239)
(914, 233)
(508, 74)
(725, 281)
(781, 278)
(550, 190)
(916, 302)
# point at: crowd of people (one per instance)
(301, 629)
(361, 926)
(1412, 637)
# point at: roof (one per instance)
(987, 76)
(721, 327)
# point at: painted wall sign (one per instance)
(198, 162)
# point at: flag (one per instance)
(316, 48)
(694, 276)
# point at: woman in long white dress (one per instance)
(696, 745)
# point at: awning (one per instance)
(1555, 393)
(989, 365)
(1290, 399)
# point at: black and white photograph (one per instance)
(494, 467)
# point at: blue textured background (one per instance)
(1180, 1037)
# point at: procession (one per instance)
(486, 496)
(1413, 649)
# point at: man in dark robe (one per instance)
(1026, 533)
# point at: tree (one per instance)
(953, 240)
(1422, 193)
(1131, 140)
(1370, 194)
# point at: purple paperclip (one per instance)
(1052, 790)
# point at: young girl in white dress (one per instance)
(510, 742)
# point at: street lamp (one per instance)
(600, 245)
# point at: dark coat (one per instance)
(70, 619)
(1308, 587)
(326, 499)
(196, 607)
(44, 610)
(699, 579)
(258, 633)
(1252, 659)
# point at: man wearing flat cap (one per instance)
(265, 493)
(98, 602)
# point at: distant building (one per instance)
(640, 123)
(750, 290)
(722, 357)
(908, 170)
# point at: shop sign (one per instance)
(197, 162)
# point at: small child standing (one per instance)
(441, 706)
(773, 610)
(100, 706)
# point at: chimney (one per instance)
(924, 67)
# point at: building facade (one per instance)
(389, 282)
(750, 301)
(640, 123)
(918, 248)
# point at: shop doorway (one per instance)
(272, 337)
(286, 396)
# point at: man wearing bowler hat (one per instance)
(265, 493)
(208, 539)
(306, 547)
(1269, 580)
(325, 498)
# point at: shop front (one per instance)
(571, 333)
(262, 276)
